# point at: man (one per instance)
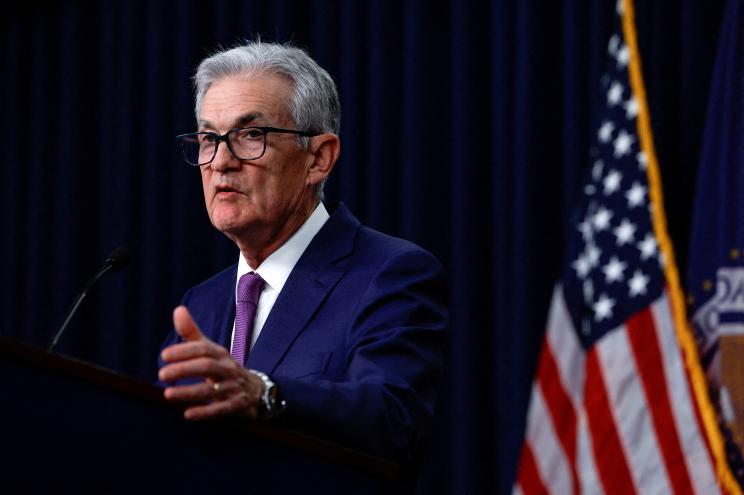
(337, 329)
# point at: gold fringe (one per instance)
(682, 328)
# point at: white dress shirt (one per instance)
(276, 268)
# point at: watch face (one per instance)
(274, 404)
(271, 403)
(273, 393)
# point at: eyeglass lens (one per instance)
(246, 144)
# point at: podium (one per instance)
(67, 426)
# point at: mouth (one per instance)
(225, 191)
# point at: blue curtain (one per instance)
(466, 128)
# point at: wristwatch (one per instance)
(272, 403)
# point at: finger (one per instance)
(199, 392)
(193, 349)
(222, 408)
(203, 367)
(185, 325)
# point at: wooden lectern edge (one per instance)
(147, 391)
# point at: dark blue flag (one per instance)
(716, 267)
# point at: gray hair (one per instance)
(314, 106)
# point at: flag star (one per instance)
(601, 219)
(597, 170)
(637, 284)
(592, 254)
(647, 246)
(612, 182)
(613, 45)
(605, 131)
(623, 56)
(603, 308)
(642, 160)
(614, 270)
(582, 267)
(588, 291)
(625, 232)
(631, 108)
(619, 7)
(635, 195)
(622, 143)
(615, 94)
(589, 189)
(585, 227)
(604, 81)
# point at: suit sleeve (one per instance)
(385, 403)
(170, 339)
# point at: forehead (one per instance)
(261, 98)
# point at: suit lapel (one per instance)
(224, 313)
(316, 274)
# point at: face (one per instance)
(256, 198)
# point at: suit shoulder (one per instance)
(217, 282)
(345, 235)
(384, 246)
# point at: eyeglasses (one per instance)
(245, 143)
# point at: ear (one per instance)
(324, 150)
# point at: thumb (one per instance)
(185, 325)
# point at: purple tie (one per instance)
(249, 289)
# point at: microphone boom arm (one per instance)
(116, 260)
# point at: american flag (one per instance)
(612, 407)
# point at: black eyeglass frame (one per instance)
(265, 129)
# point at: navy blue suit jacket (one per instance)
(354, 340)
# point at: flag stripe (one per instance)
(608, 452)
(630, 410)
(560, 408)
(551, 462)
(567, 351)
(570, 358)
(698, 457)
(590, 482)
(528, 479)
(643, 340)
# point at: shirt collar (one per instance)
(276, 268)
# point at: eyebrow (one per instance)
(247, 118)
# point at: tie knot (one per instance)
(249, 287)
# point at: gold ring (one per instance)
(216, 387)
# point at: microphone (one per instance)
(115, 261)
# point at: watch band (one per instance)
(272, 403)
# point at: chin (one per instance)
(228, 221)
(228, 225)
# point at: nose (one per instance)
(224, 159)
